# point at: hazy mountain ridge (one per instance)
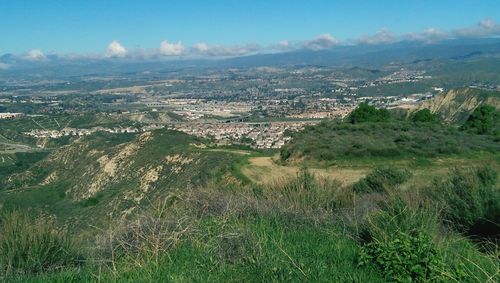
(368, 56)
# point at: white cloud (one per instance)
(116, 50)
(485, 28)
(34, 55)
(171, 49)
(283, 45)
(201, 47)
(218, 50)
(4, 66)
(383, 36)
(430, 35)
(324, 41)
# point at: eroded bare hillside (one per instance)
(455, 105)
(116, 173)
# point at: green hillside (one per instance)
(104, 176)
(330, 141)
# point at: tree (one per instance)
(483, 120)
(424, 115)
(368, 113)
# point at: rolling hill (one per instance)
(109, 175)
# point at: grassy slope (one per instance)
(331, 141)
(280, 233)
(101, 176)
(285, 252)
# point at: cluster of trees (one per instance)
(425, 116)
(368, 113)
(484, 120)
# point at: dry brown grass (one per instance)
(264, 171)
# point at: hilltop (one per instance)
(332, 140)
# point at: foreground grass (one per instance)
(249, 250)
(303, 230)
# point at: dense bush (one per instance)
(30, 245)
(368, 113)
(469, 197)
(397, 239)
(483, 120)
(405, 258)
(424, 116)
(381, 179)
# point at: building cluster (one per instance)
(38, 133)
(9, 115)
(193, 109)
(260, 135)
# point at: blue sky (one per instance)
(77, 26)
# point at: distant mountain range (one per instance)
(372, 56)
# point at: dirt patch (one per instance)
(263, 170)
(178, 159)
(51, 178)
(147, 180)
(109, 169)
(145, 137)
(108, 166)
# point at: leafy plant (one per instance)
(405, 258)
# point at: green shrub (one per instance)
(405, 258)
(424, 116)
(30, 245)
(397, 239)
(483, 120)
(382, 179)
(284, 153)
(469, 197)
(368, 113)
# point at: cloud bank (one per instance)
(169, 49)
(34, 55)
(485, 28)
(4, 66)
(218, 50)
(383, 36)
(321, 42)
